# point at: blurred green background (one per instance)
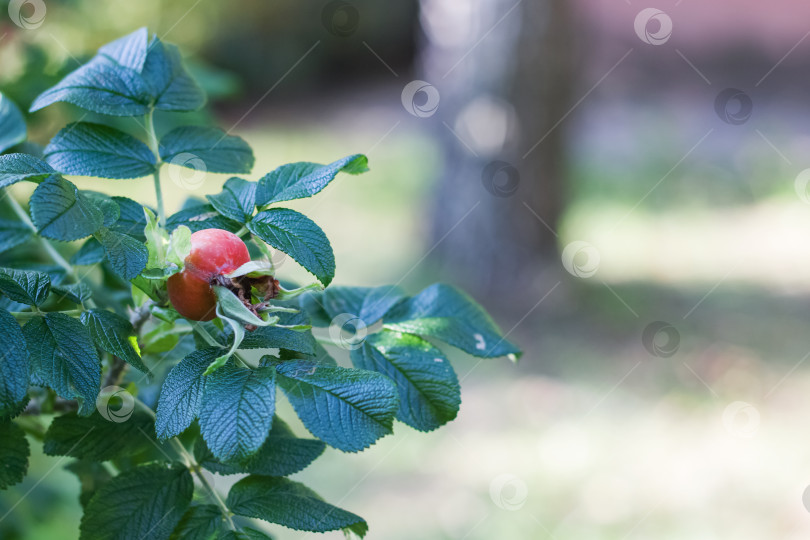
(663, 392)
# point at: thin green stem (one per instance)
(28, 315)
(153, 145)
(195, 468)
(241, 232)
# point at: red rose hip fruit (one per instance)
(213, 252)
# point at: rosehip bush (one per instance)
(154, 353)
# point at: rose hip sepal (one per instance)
(214, 252)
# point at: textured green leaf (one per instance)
(145, 502)
(14, 454)
(237, 410)
(274, 337)
(429, 394)
(282, 454)
(18, 167)
(301, 180)
(128, 51)
(92, 475)
(12, 124)
(25, 286)
(101, 86)
(60, 212)
(131, 220)
(114, 334)
(75, 292)
(169, 82)
(291, 504)
(181, 394)
(200, 522)
(127, 255)
(299, 237)
(63, 358)
(87, 149)
(94, 438)
(346, 408)
(368, 304)
(202, 216)
(91, 252)
(221, 153)
(109, 208)
(13, 234)
(442, 312)
(237, 199)
(14, 365)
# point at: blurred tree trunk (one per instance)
(504, 72)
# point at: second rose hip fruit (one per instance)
(213, 252)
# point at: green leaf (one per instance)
(299, 237)
(14, 454)
(291, 504)
(102, 86)
(91, 475)
(179, 246)
(282, 454)
(368, 304)
(181, 394)
(128, 51)
(14, 365)
(301, 180)
(127, 256)
(275, 337)
(132, 219)
(18, 167)
(13, 234)
(237, 199)
(202, 216)
(253, 269)
(145, 502)
(12, 124)
(429, 395)
(109, 208)
(60, 212)
(442, 312)
(86, 149)
(25, 286)
(346, 408)
(91, 252)
(221, 153)
(63, 358)
(169, 82)
(230, 306)
(237, 410)
(94, 438)
(75, 292)
(200, 522)
(114, 334)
